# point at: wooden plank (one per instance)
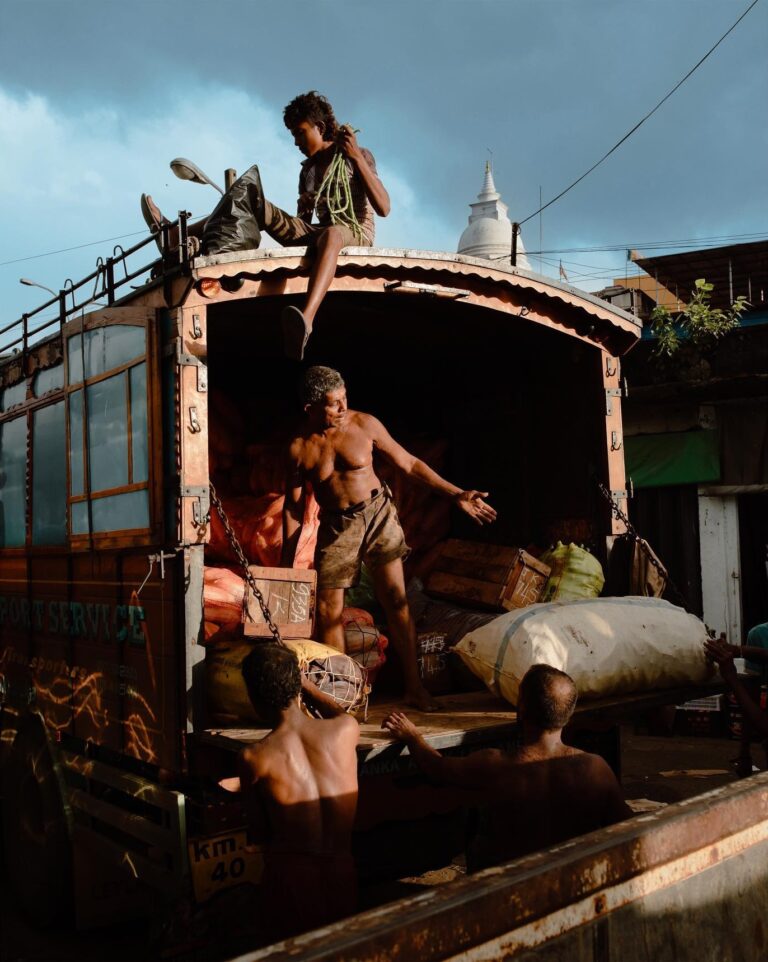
(480, 553)
(290, 596)
(465, 590)
(496, 573)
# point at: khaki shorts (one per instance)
(368, 532)
(292, 231)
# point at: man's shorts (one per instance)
(368, 532)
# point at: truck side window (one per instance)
(13, 472)
(108, 440)
(11, 396)
(51, 379)
(49, 475)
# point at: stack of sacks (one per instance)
(258, 525)
(265, 468)
(363, 641)
(226, 439)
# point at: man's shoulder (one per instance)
(364, 421)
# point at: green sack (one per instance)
(575, 574)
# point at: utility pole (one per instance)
(515, 232)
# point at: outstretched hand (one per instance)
(471, 503)
(720, 652)
(400, 726)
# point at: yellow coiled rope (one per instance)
(337, 191)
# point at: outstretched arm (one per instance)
(720, 652)
(374, 188)
(470, 502)
(470, 772)
(293, 510)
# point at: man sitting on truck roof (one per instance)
(543, 792)
(342, 222)
(358, 519)
(300, 786)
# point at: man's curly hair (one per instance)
(319, 381)
(315, 108)
(272, 677)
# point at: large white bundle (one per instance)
(607, 645)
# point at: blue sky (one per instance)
(97, 97)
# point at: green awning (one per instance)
(658, 460)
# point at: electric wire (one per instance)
(643, 120)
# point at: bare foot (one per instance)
(421, 700)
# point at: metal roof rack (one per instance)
(105, 285)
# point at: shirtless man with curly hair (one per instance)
(243, 212)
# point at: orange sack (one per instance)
(258, 526)
(223, 592)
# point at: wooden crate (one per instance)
(290, 596)
(487, 576)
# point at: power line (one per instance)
(641, 122)
(77, 247)
(689, 242)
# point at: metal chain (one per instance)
(236, 547)
(635, 536)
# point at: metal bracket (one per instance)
(189, 360)
(201, 509)
(608, 371)
(615, 442)
(194, 422)
(197, 331)
(610, 392)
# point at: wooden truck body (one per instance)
(105, 433)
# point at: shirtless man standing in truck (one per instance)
(358, 520)
(300, 787)
(542, 793)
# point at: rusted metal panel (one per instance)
(601, 897)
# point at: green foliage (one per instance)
(698, 323)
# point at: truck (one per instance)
(112, 398)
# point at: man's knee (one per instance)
(393, 597)
(330, 607)
(331, 239)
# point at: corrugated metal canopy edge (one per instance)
(431, 267)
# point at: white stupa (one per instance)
(489, 232)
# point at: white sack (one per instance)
(607, 645)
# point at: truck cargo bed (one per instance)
(474, 718)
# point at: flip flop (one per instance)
(153, 218)
(151, 214)
(295, 332)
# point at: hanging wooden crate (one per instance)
(290, 595)
(487, 576)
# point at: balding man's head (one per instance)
(547, 698)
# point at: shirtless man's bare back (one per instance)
(542, 793)
(300, 785)
(358, 521)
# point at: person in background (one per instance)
(542, 793)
